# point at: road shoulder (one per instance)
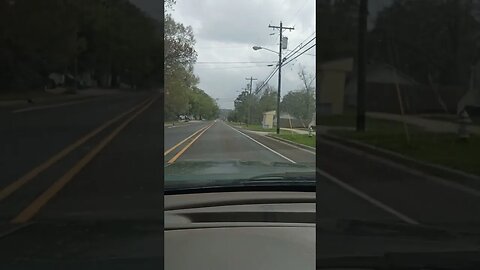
(449, 174)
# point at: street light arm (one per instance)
(259, 48)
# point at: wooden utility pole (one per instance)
(250, 99)
(361, 64)
(281, 28)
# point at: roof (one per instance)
(385, 73)
(345, 65)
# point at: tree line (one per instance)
(430, 40)
(112, 40)
(182, 94)
(299, 103)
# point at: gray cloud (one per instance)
(226, 30)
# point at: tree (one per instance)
(179, 46)
(294, 104)
(266, 102)
(337, 29)
(427, 38)
(180, 81)
(307, 80)
(109, 38)
(202, 106)
(241, 106)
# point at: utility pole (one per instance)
(361, 62)
(250, 98)
(281, 28)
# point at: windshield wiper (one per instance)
(270, 182)
(460, 260)
(287, 177)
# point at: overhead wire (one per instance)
(235, 62)
(300, 46)
(285, 63)
(265, 82)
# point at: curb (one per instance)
(433, 169)
(292, 143)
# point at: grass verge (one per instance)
(298, 138)
(256, 128)
(438, 148)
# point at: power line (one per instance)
(235, 62)
(298, 55)
(229, 67)
(265, 82)
(301, 45)
(222, 47)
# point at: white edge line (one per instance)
(366, 197)
(270, 149)
(291, 145)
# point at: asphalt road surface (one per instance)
(356, 185)
(351, 183)
(219, 141)
(96, 159)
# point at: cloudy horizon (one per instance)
(226, 36)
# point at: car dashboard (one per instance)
(240, 230)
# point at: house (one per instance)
(381, 92)
(286, 120)
(268, 117)
(333, 76)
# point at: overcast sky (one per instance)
(226, 30)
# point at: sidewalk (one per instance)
(298, 131)
(427, 124)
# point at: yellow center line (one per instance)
(15, 185)
(173, 159)
(180, 143)
(31, 210)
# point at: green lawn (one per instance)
(256, 127)
(345, 120)
(439, 148)
(298, 138)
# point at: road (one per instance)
(77, 177)
(356, 185)
(351, 184)
(221, 141)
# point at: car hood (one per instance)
(204, 172)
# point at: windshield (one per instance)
(80, 126)
(403, 145)
(225, 81)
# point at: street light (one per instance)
(256, 48)
(280, 61)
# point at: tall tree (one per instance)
(294, 104)
(427, 38)
(336, 34)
